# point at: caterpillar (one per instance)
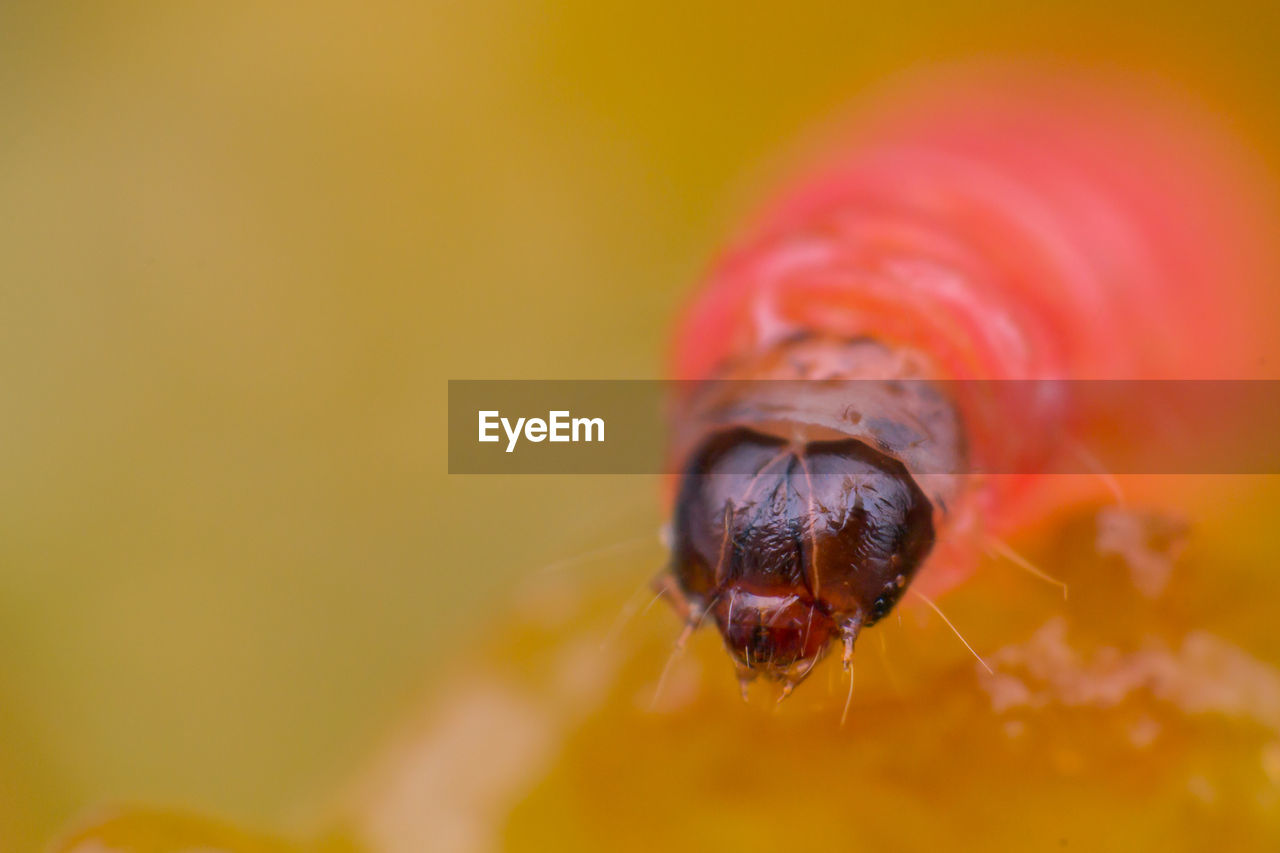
(998, 224)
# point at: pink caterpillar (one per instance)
(1010, 226)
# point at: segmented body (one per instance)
(1000, 228)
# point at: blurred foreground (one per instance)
(1142, 713)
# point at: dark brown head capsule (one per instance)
(788, 544)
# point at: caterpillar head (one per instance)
(787, 545)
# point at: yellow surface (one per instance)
(1115, 720)
(1129, 716)
(151, 831)
(242, 247)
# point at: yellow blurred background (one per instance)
(244, 245)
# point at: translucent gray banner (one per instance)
(1002, 427)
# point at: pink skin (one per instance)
(1010, 225)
